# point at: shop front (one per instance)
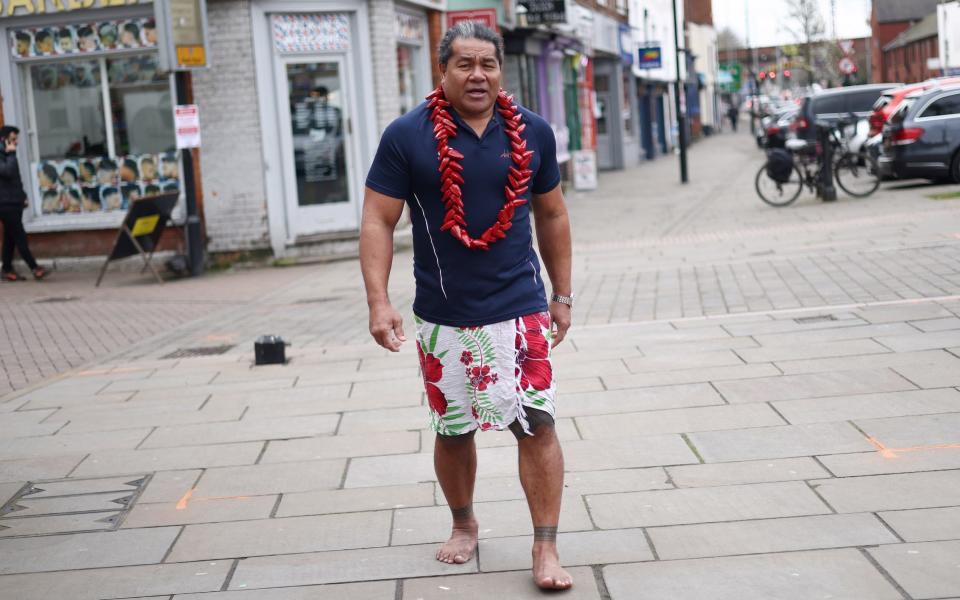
(95, 113)
(615, 88)
(413, 56)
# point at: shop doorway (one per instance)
(316, 144)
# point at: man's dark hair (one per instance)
(107, 163)
(132, 165)
(43, 36)
(22, 37)
(85, 31)
(50, 171)
(64, 32)
(132, 28)
(6, 130)
(468, 30)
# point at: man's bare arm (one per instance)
(553, 238)
(381, 214)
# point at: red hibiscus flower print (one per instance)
(485, 426)
(431, 366)
(432, 370)
(480, 377)
(533, 351)
(466, 358)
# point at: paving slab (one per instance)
(368, 422)
(168, 459)
(627, 453)
(736, 372)
(118, 582)
(930, 375)
(778, 442)
(373, 590)
(791, 325)
(891, 492)
(575, 547)
(7, 490)
(892, 360)
(682, 420)
(496, 585)
(811, 351)
(903, 312)
(30, 505)
(369, 564)
(282, 536)
(243, 431)
(833, 335)
(27, 424)
(877, 463)
(914, 431)
(169, 486)
(356, 500)
(941, 324)
(925, 524)
(685, 360)
(638, 399)
(565, 429)
(200, 510)
(258, 480)
(769, 535)
(71, 443)
(703, 505)
(497, 519)
(401, 469)
(50, 467)
(921, 341)
(48, 489)
(50, 524)
(752, 471)
(342, 446)
(44, 398)
(838, 574)
(813, 385)
(85, 550)
(127, 417)
(927, 570)
(869, 406)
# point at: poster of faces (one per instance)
(94, 185)
(84, 38)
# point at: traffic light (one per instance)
(762, 75)
(786, 73)
(773, 74)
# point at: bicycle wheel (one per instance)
(857, 174)
(775, 193)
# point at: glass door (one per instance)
(319, 182)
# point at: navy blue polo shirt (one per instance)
(457, 286)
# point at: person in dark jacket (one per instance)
(12, 202)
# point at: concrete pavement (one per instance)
(754, 403)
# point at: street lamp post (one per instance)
(681, 118)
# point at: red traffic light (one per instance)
(773, 74)
(763, 75)
(786, 73)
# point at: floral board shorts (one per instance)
(487, 377)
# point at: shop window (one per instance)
(406, 70)
(140, 105)
(627, 103)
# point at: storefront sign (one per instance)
(542, 12)
(410, 28)
(325, 32)
(487, 16)
(186, 121)
(649, 57)
(606, 34)
(183, 27)
(83, 38)
(585, 170)
(19, 8)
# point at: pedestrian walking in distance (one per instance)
(471, 163)
(733, 114)
(12, 202)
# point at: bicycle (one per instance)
(855, 172)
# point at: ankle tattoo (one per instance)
(463, 513)
(544, 534)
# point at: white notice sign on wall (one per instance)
(186, 119)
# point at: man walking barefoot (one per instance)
(470, 162)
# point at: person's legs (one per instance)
(541, 475)
(8, 240)
(455, 461)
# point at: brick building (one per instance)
(888, 19)
(905, 58)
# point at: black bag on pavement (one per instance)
(779, 165)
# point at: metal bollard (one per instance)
(269, 350)
(827, 191)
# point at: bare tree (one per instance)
(727, 39)
(807, 26)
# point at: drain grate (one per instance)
(814, 319)
(201, 351)
(56, 299)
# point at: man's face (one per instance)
(13, 139)
(23, 47)
(471, 78)
(45, 45)
(66, 44)
(88, 43)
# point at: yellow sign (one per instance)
(191, 56)
(145, 225)
(18, 8)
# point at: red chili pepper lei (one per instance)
(444, 128)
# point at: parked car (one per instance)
(837, 104)
(890, 100)
(922, 138)
(776, 131)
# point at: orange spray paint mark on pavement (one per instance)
(182, 503)
(883, 450)
(893, 452)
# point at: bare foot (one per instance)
(547, 572)
(462, 543)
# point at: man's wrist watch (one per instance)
(568, 300)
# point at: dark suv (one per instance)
(922, 138)
(835, 105)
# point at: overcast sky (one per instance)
(768, 20)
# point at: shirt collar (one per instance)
(495, 123)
